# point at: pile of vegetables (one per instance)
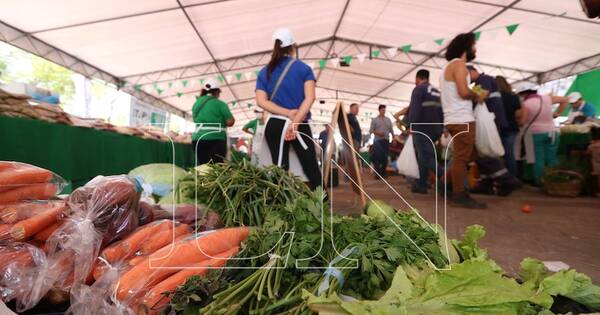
(109, 252)
(304, 259)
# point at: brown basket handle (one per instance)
(567, 172)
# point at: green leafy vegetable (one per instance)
(162, 177)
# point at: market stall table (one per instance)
(79, 154)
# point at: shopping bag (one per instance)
(487, 139)
(407, 161)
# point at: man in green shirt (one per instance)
(212, 117)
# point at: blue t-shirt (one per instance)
(291, 90)
(587, 109)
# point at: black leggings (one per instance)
(308, 157)
(210, 150)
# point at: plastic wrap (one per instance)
(24, 220)
(197, 216)
(16, 259)
(21, 181)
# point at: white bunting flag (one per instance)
(229, 78)
(311, 65)
(392, 52)
(493, 34)
(421, 46)
(361, 57)
(335, 62)
(248, 76)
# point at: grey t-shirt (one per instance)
(381, 124)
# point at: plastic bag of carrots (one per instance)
(15, 258)
(31, 220)
(140, 280)
(21, 181)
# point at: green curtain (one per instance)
(79, 154)
(588, 84)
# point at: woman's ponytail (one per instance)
(278, 54)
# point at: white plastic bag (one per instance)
(407, 161)
(487, 139)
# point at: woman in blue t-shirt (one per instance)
(286, 89)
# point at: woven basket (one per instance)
(571, 188)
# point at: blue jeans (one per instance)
(545, 154)
(426, 158)
(508, 141)
(380, 155)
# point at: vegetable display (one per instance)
(282, 251)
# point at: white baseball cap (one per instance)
(211, 84)
(285, 36)
(525, 86)
(574, 97)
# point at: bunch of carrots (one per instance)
(25, 211)
(153, 265)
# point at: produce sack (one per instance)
(407, 161)
(104, 210)
(21, 181)
(24, 220)
(161, 177)
(487, 139)
(15, 280)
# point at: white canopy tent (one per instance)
(151, 47)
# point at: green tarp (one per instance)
(79, 154)
(588, 84)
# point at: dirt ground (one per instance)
(557, 229)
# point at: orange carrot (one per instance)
(134, 241)
(25, 175)
(14, 255)
(44, 234)
(29, 192)
(37, 223)
(154, 299)
(149, 272)
(138, 259)
(6, 165)
(15, 212)
(162, 238)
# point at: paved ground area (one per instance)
(558, 229)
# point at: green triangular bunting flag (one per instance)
(511, 28)
(221, 78)
(184, 83)
(170, 85)
(159, 91)
(179, 94)
(202, 81)
(233, 103)
(256, 73)
(347, 59)
(375, 53)
(322, 63)
(238, 76)
(249, 105)
(137, 87)
(406, 48)
(439, 41)
(477, 35)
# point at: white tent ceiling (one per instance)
(151, 43)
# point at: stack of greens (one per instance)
(242, 193)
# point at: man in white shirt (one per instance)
(381, 127)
